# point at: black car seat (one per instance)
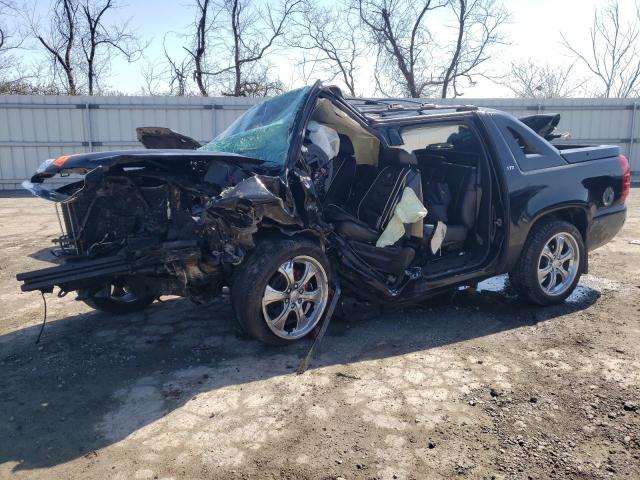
(462, 181)
(462, 212)
(437, 195)
(344, 174)
(396, 156)
(368, 214)
(377, 205)
(374, 209)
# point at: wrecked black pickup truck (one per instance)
(311, 202)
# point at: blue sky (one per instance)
(534, 32)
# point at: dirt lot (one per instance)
(477, 386)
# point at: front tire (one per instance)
(119, 300)
(281, 290)
(550, 264)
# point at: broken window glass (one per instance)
(264, 131)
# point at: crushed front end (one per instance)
(156, 222)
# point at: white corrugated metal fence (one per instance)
(34, 128)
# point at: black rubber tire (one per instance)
(109, 305)
(250, 279)
(524, 276)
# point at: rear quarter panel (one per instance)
(577, 187)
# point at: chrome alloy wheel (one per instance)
(558, 264)
(295, 297)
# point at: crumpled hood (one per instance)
(85, 162)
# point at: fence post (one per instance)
(632, 138)
(89, 128)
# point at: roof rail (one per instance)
(383, 106)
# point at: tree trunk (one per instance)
(90, 75)
(201, 48)
(71, 82)
(198, 75)
(235, 20)
(448, 77)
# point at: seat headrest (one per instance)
(399, 156)
(346, 146)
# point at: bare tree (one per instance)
(530, 80)
(30, 82)
(178, 75)
(398, 30)
(198, 51)
(60, 41)
(249, 32)
(307, 66)
(4, 6)
(335, 35)
(10, 41)
(614, 56)
(81, 42)
(152, 77)
(101, 39)
(416, 61)
(16, 77)
(478, 25)
(168, 77)
(258, 82)
(6, 10)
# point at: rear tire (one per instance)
(550, 264)
(280, 291)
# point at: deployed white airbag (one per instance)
(409, 210)
(324, 137)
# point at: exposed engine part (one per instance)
(160, 237)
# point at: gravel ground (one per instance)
(477, 385)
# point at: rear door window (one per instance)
(440, 137)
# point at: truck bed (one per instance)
(585, 153)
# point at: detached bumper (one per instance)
(40, 190)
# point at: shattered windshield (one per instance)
(264, 131)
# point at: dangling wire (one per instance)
(44, 320)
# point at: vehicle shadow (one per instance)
(56, 396)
